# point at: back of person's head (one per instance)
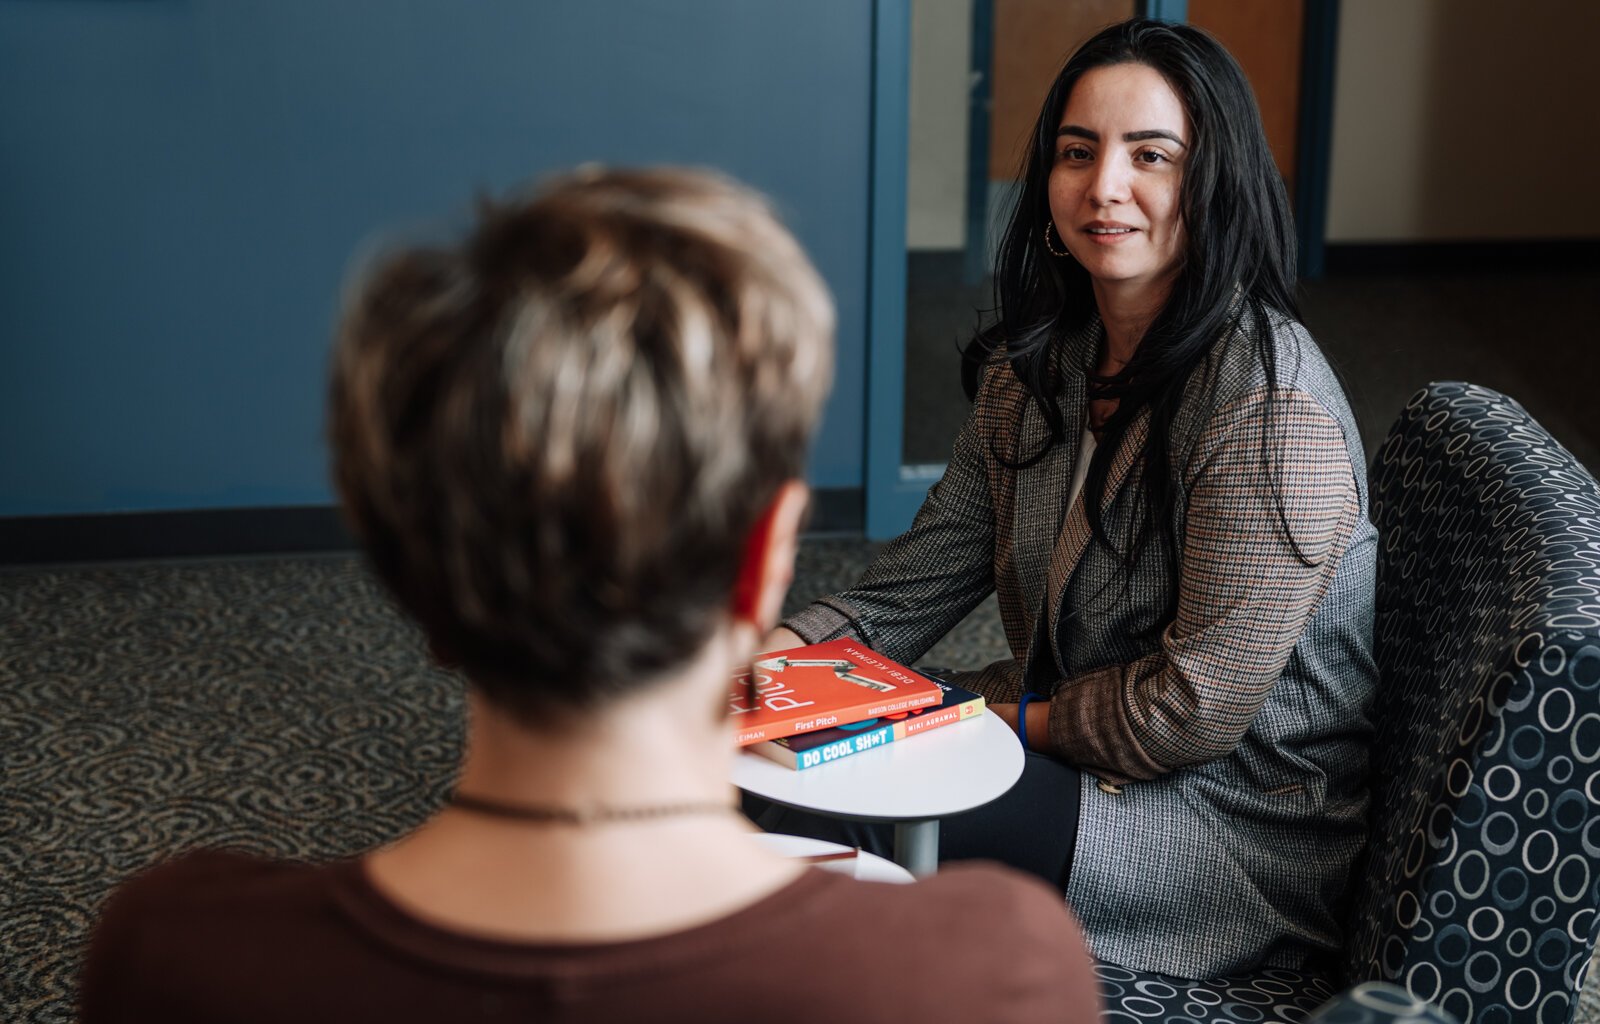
(555, 437)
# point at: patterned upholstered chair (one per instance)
(1484, 874)
(1378, 1002)
(1481, 883)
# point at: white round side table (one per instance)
(864, 866)
(912, 782)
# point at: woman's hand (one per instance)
(1038, 722)
(1007, 713)
(781, 639)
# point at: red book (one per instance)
(822, 686)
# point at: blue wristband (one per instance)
(1022, 719)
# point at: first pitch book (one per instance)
(821, 686)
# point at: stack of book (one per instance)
(809, 706)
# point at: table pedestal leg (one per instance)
(916, 846)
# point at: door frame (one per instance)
(892, 493)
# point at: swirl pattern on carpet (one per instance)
(279, 707)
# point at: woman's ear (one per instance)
(769, 552)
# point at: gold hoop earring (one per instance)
(1063, 251)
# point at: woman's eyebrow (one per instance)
(1079, 131)
(1154, 133)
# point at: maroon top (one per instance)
(226, 937)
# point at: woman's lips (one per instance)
(1109, 235)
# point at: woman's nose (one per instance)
(1110, 183)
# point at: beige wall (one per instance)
(936, 171)
(1465, 119)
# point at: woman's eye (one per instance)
(1153, 156)
(1075, 153)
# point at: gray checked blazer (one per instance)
(1220, 718)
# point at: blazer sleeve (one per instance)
(1245, 595)
(926, 581)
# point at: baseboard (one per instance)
(837, 510)
(191, 533)
(217, 533)
(1347, 258)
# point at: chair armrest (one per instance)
(1378, 1002)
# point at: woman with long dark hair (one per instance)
(1162, 480)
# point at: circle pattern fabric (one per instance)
(1378, 1003)
(1264, 997)
(1481, 890)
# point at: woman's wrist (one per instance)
(1039, 728)
(1034, 730)
(782, 638)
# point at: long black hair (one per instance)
(1237, 263)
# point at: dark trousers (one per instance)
(1032, 827)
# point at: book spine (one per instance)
(808, 722)
(943, 716)
(779, 750)
(803, 759)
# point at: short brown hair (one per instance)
(554, 437)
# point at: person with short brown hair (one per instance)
(572, 447)
(551, 438)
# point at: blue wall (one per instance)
(183, 184)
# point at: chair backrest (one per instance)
(1482, 876)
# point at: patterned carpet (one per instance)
(277, 706)
(274, 706)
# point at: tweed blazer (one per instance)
(1220, 718)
